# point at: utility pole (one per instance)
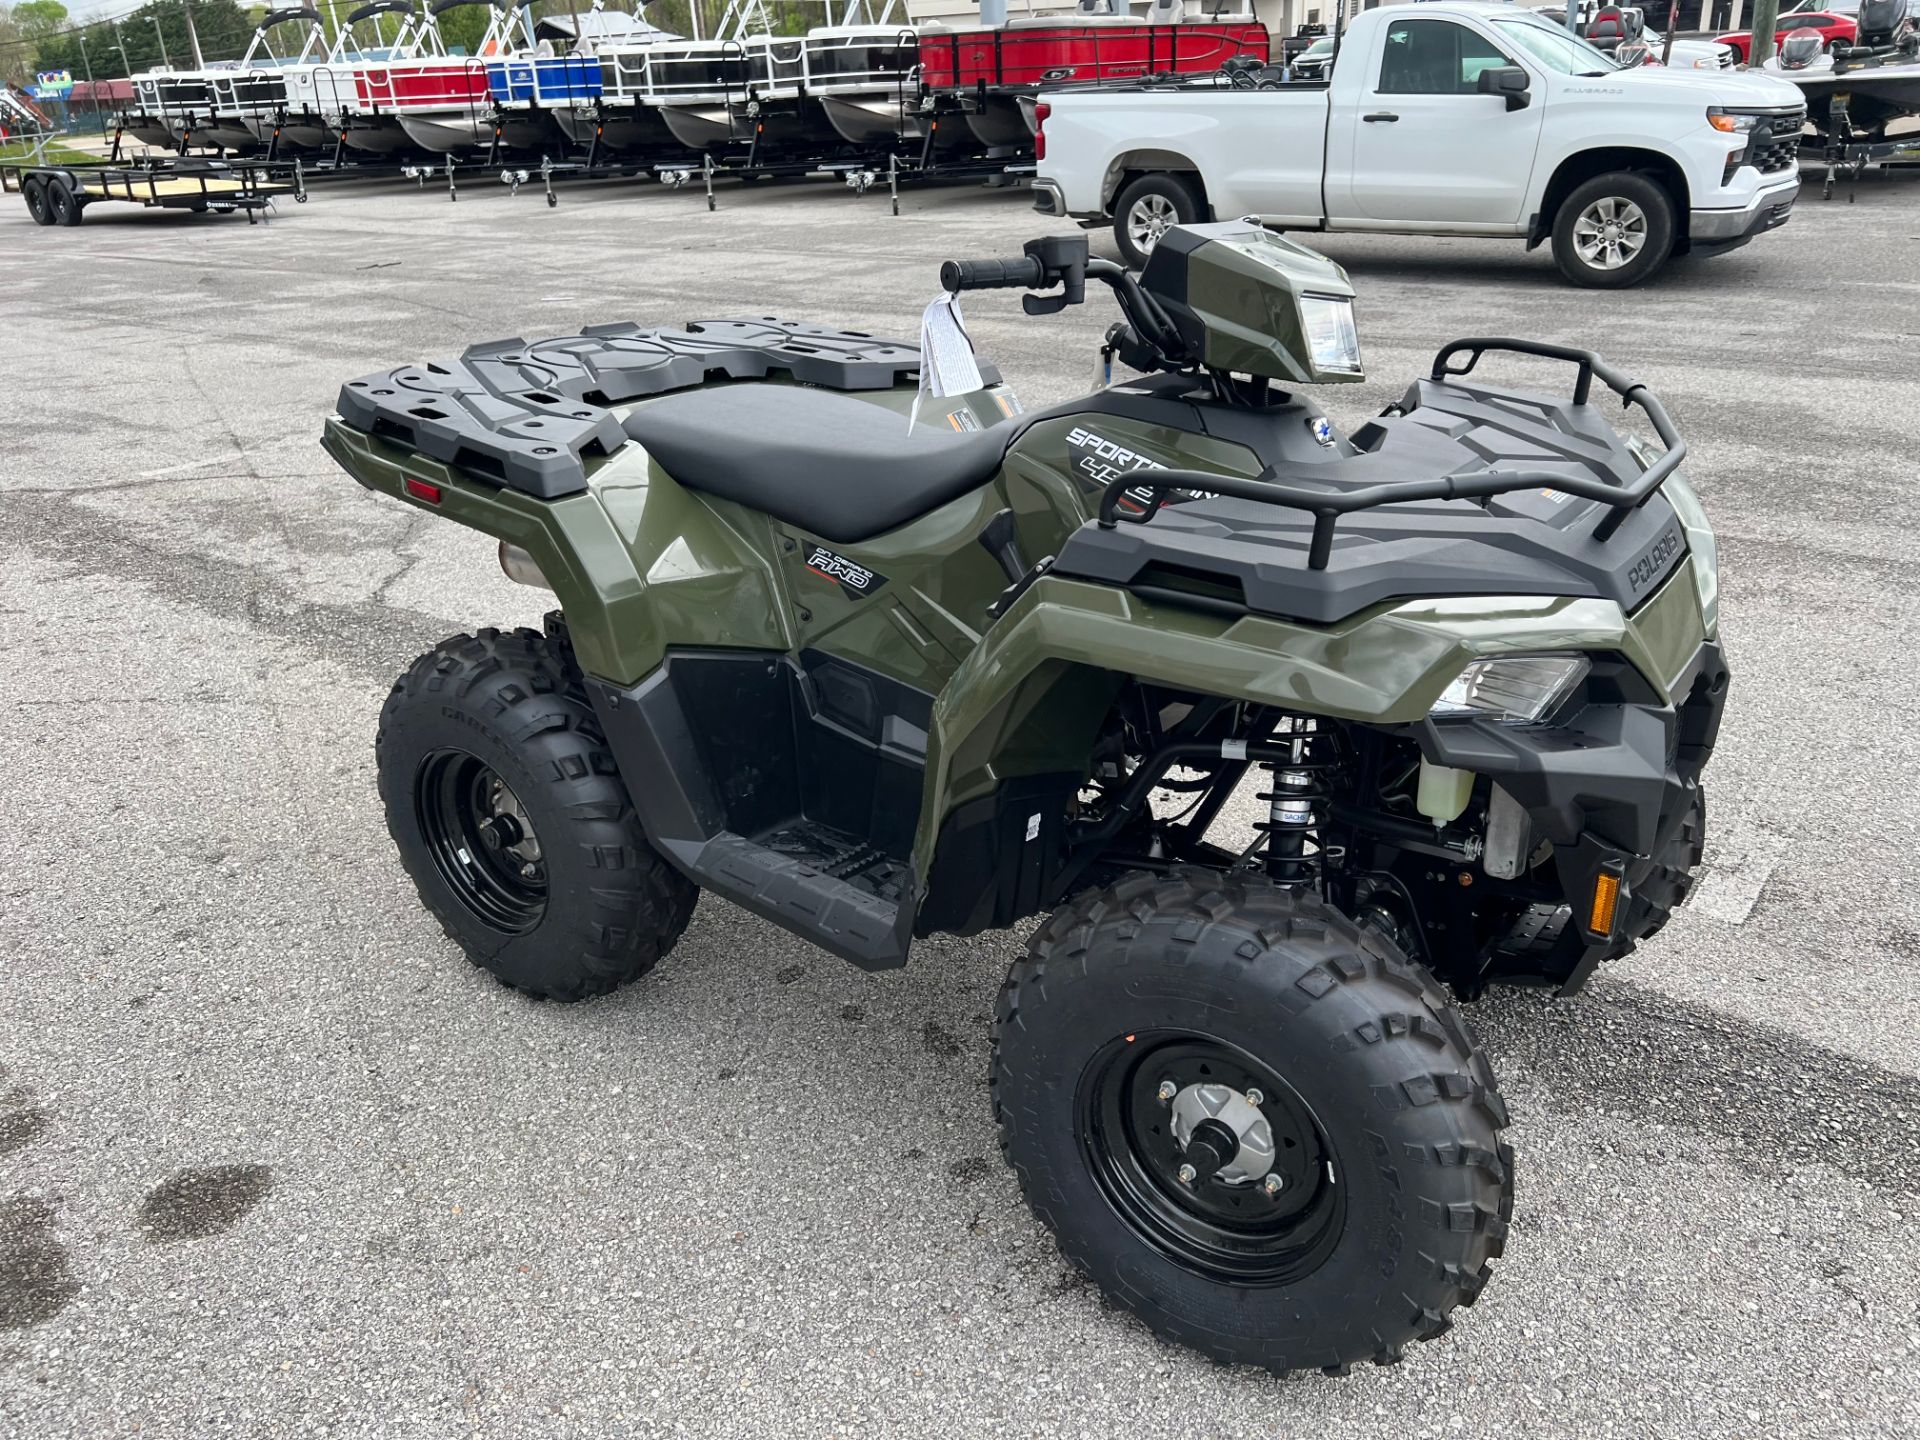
(1766, 20)
(126, 65)
(165, 63)
(86, 64)
(193, 35)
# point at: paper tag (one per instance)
(947, 366)
(1103, 368)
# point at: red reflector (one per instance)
(421, 490)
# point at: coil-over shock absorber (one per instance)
(1297, 803)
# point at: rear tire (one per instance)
(1395, 1190)
(510, 816)
(1144, 209)
(1613, 231)
(63, 203)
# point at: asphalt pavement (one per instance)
(274, 1160)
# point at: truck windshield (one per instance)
(1556, 49)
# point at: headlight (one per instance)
(1520, 688)
(1730, 122)
(1331, 336)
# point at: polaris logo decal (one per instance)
(1652, 564)
(1100, 461)
(849, 575)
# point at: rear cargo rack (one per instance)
(1279, 487)
(531, 414)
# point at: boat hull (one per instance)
(226, 132)
(375, 135)
(624, 130)
(874, 119)
(147, 129)
(699, 126)
(999, 123)
(451, 132)
(297, 132)
(1877, 96)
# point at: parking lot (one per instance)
(759, 1192)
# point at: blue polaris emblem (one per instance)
(1322, 429)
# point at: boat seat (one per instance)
(836, 467)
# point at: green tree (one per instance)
(37, 17)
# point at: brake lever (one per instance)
(1044, 304)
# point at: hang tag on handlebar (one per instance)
(947, 364)
(1103, 368)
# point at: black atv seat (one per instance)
(836, 467)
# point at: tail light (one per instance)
(1040, 113)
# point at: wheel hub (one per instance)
(1222, 1133)
(1210, 1157)
(482, 840)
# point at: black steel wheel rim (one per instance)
(481, 841)
(1234, 1233)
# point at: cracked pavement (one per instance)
(275, 1160)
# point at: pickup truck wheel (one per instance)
(1146, 210)
(1613, 231)
(513, 822)
(1255, 1125)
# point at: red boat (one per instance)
(992, 66)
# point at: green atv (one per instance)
(874, 682)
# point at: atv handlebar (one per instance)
(1327, 506)
(1026, 273)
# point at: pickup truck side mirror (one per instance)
(1510, 81)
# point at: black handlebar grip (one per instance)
(1025, 273)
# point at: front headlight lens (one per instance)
(1730, 122)
(1520, 688)
(1331, 337)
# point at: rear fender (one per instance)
(637, 561)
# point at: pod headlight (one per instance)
(1515, 688)
(1332, 339)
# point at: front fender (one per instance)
(1030, 698)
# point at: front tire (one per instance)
(1613, 231)
(1381, 1121)
(1146, 209)
(513, 822)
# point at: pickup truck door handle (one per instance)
(1386, 115)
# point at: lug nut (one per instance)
(1256, 1098)
(1273, 1185)
(1167, 1091)
(1187, 1174)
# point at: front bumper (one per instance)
(1610, 787)
(1711, 231)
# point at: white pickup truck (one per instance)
(1449, 118)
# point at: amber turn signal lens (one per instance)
(1606, 899)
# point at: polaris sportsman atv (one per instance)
(874, 683)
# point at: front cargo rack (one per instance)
(1276, 487)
